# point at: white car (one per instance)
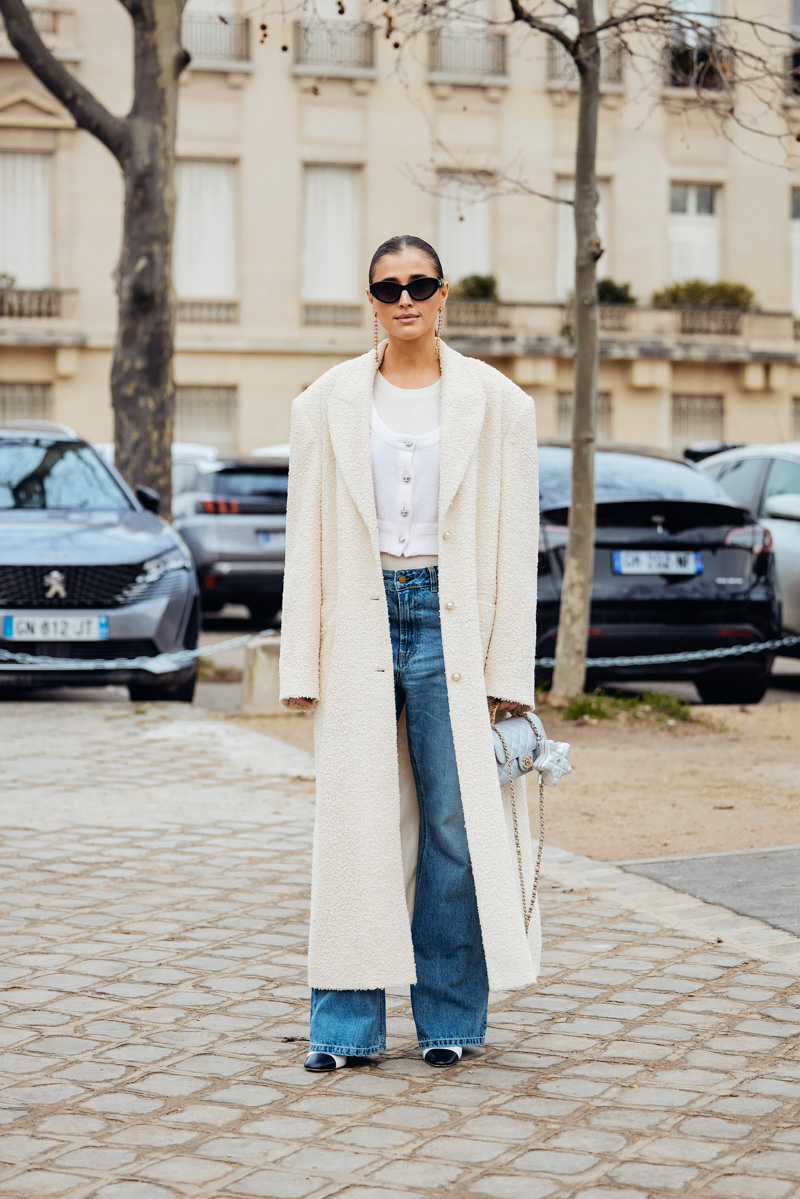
(766, 480)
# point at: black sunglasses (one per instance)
(389, 292)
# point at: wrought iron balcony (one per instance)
(336, 46)
(211, 312)
(333, 314)
(28, 303)
(561, 67)
(479, 55)
(55, 25)
(216, 37)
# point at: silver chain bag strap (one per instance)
(520, 748)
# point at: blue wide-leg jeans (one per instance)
(450, 998)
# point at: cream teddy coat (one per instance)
(336, 650)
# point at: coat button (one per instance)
(449, 604)
(445, 534)
(455, 676)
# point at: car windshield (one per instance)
(46, 473)
(257, 483)
(621, 477)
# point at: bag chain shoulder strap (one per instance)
(527, 909)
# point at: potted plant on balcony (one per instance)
(707, 307)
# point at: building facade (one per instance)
(304, 143)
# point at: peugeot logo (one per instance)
(55, 585)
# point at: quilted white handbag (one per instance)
(520, 746)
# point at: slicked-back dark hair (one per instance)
(395, 244)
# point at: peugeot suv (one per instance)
(89, 573)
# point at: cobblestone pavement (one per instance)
(154, 1009)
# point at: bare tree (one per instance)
(143, 143)
(695, 48)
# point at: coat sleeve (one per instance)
(509, 668)
(302, 580)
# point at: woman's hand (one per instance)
(509, 705)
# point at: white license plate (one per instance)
(55, 628)
(657, 562)
(272, 541)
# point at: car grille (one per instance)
(84, 586)
(132, 648)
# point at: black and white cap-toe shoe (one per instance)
(443, 1057)
(325, 1061)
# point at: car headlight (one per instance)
(154, 568)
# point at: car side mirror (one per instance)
(783, 507)
(149, 499)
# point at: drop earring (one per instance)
(375, 334)
(438, 341)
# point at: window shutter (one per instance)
(332, 266)
(465, 239)
(205, 230)
(25, 229)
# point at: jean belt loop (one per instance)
(434, 574)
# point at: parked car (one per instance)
(233, 518)
(87, 569)
(185, 456)
(765, 479)
(678, 565)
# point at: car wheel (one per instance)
(264, 611)
(730, 688)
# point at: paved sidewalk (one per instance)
(152, 932)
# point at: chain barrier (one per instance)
(164, 663)
(157, 664)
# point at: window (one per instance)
(25, 219)
(207, 415)
(694, 232)
(25, 401)
(694, 57)
(56, 474)
(603, 416)
(794, 249)
(205, 230)
(332, 261)
(565, 234)
(465, 225)
(466, 44)
(695, 418)
(783, 479)
(742, 480)
(212, 31)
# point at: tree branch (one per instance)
(527, 18)
(87, 110)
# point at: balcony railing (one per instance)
(561, 66)
(211, 312)
(55, 25)
(216, 37)
(480, 54)
(32, 303)
(333, 314)
(334, 45)
(486, 326)
(476, 314)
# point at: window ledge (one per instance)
(691, 95)
(606, 89)
(221, 66)
(332, 71)
(456, 80)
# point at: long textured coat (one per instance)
(336, 650)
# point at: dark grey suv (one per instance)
(232, 515)
(88, 570)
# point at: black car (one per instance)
(678, 565)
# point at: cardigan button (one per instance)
(409, 442)
(406, 478)
(401, 538)
(449, 604)
(455, 676)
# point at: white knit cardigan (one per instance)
(336, 650)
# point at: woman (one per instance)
(408, 605)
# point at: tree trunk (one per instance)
(142, 387)
(142, 384)
(569, 676)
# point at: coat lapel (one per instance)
(463, 405)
